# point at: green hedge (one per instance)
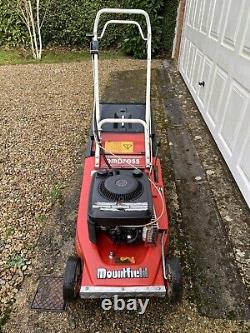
(134, 45)
(68, 21)
(12, 30)
(168, 24)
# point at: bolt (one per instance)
(111, 254)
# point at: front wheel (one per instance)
(72, 279)
(174, 280)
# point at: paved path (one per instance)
(218, 286)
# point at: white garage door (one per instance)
(215, 52)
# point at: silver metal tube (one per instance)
(96, 88)
(125, 121)
(131, 121)
(120, 11)
(149, 41)
(122, 22)
(148, 87)
(148, 83)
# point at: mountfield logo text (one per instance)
(125, 273)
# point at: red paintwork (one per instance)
(95, 256)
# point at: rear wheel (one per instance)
(72, 279)
(175, 283)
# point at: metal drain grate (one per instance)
(49, 294)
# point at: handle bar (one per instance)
(120, 11)
(122, 22)
(96, 74)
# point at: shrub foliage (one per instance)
(12, 30)
(68, 21)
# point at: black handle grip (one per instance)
(89, 35)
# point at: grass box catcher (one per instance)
(122, 226)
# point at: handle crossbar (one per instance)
(121, 11)
(122, 22)
(122, 121)
(128, 121)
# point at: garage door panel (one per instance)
(232, 23)
(217, 93)
(202, 42)
(190, 61)
(197, 70)
(198, 12)
(234, 114)
(244, 132)
(206, 15)
(191, 12)
(216, 50)
(185, 52)
(217, 18)
(245, 50)
(205, 76)
(245, 161)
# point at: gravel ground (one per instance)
(45, 113)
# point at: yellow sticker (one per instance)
(125, 260)
(128, 260)
(120, 147)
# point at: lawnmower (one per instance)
(122, 230)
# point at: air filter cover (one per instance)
(121, 188)
(120, 197)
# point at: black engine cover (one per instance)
(120, 197)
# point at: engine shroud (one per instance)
(120, 197)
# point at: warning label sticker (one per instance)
(120, 147)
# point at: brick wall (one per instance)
(178, 31)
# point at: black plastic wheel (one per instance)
(72, 279)
(175, 282)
